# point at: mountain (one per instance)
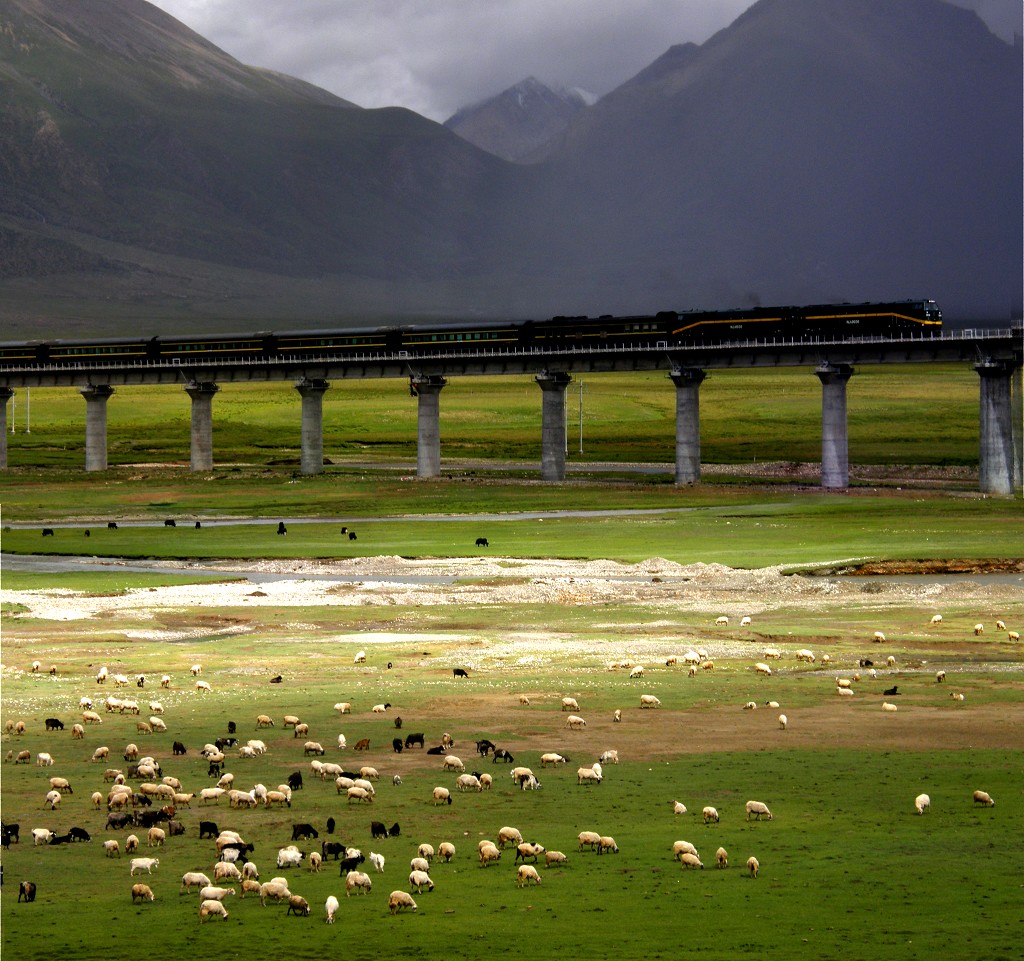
(521, 122)
(144, 170)
(813, 151)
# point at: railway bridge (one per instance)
(996, 355)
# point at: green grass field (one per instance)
(844, 854)
(847, 867)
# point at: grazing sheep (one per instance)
(759, 809)
(420, 880)
(226, 871)
(771, 653)
(979, 629)
(360, 657)
(211, 893)
(110, 848)
(343, 707)
(357, 881)
(940, 676)
(650, 701)
(277, 890)
(609, 757)
(982, 797)
(131, 843)
(44, 760)
(446, 851)
(746, 621)
(398, 900)
(844, 691)
(589, 839)
(805, 655)
(637, 671)
(679, 848)
(771, 704)
(783, 722)
(203, 687)
(156, 837)
(142, 892)
(956, 696)
(710, 814)
(688, 860)
(617, 716)
(468, 782)
(315, 859)
(212, 909)
(523, 699)
(750, 706)
(589, 775)
(509, 835)
(377, 860)
(525, 874)
(678, 807)
(1013, 635)
(575, 723)
(921, 803)
(936, 619)
(569, 704)
(298, 906)
(331, 908)
(722, 858)
(607, 844)
(488, 853)
(147, 864)
(441, 795)
(764, 669)
(878, 637)
(1000, 626)
(722, 621)
(554, 857)
(529, 850)
(753, 866)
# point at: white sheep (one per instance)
(526, 873)
(890, 661)
(275, 889)
(524, 699)
(979, 629)
(446, 851)
(488, 853)
(750, 706)
(891, 708)
(360, 657)
(575, 723)
(1000, 626)
(589, 839)
(649, 701)
(357, 881)
(783, 722)
(468, 782)
(759, 809)
(921, 803)
(936, 619)
(878, 637)
(940, 676)
(609, 757)
(509, 835)
(44, 760)
(617, 716)
(331, 908)
(144, 864)
(196, 669)
(441, 795)
(805, 655)
(722, 858)
(688, 860)
(398, 900)
(110, 848)
(762, 668)
(607, 845)
(679, 848)
(1013, 635)
(746, 621)
(226, 871)
(569, 704)
(203, 687)
(554, 857)
(983, 797)
(420, 880)
(42, 836)
(453, 763)
(193, 879)
(343, 707)
(552, 759)
(211, 908)
(957, 696)
(356, 793)
(379, 708)
(753, 866)
(844, 691)
(210, 893)
(710, 815)
(722, 621)
(589, 775)
(637, 671)
(678, 807)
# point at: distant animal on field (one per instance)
(482, 542)
(459, 672)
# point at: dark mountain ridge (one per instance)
(813, 151)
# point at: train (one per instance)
(666, 330)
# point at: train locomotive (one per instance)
(666, 330)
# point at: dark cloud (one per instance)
(437, 56)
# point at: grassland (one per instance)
(846, 866)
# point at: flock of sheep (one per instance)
(234, 867)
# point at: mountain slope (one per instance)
(815, 150)
(519, 123)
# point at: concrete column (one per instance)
(687, 381)
(428, 424)
(96, 397)
(835, 465)
(312, 393)
(552, 426)
(5, 395)
(995, 467)
(1017, 428)
(202, 393)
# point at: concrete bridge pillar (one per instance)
(6, 393)
(312, 393)
(96, 397)
(1017, 428)
(687, 381)
(996, 461)
(835, 464)
(427, 389)
(202, 393)
(552, 424)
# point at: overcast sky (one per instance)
(435, 56)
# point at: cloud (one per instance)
(434, 56)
